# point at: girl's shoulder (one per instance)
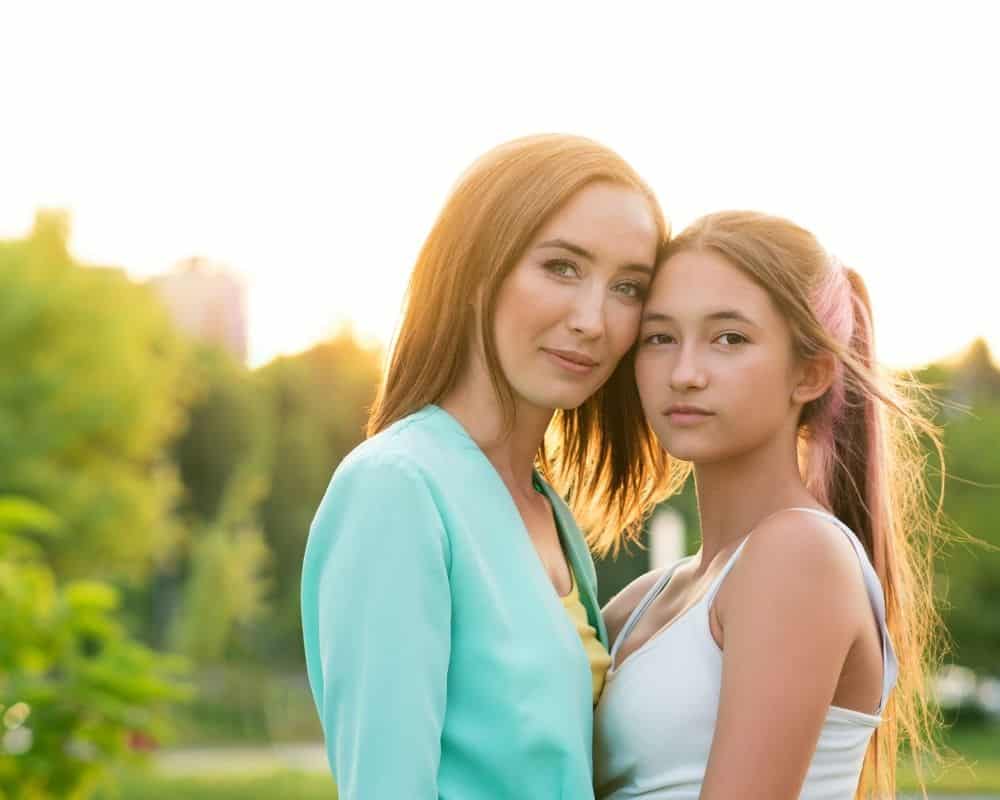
(803, 558)
(800, 541)
(620, 607)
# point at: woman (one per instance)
(453, 641)
(763, 666)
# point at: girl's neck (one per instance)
(473, 402)
(736, 494)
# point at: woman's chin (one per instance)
(561, 401)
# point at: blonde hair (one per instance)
(590, 453)
(861, 450)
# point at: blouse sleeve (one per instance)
(377, 610)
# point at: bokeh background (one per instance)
(208, 212)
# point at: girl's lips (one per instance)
(685, 416)
(682, 419)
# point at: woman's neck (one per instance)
(736, 494)
(473, 402)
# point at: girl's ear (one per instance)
(815, 375)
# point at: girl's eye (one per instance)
(632, 290)
(564, 269)
(658, 338)
(732, 339)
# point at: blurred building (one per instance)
(666, 537)
(207, 302)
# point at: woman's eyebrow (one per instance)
(583, 252)
(565, 245)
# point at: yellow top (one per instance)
(596, 652)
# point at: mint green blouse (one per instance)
(441, 660)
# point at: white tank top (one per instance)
(654, 723)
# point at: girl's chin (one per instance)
(676, 447)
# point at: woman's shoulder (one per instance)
(381, 495)
(429, 439)
(412, 447)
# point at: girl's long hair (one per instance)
(863, 449)
(590, 453)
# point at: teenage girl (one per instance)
(787, 654)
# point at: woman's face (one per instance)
(715, 364)
(570, 308)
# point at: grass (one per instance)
(246, 705)
(285, 785)
(971, 764)
(299, 786)
(975, 770)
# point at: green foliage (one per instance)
(226, 586)
(319, 402)
(222, 461)
(227, 431)
(968, 572)
(91, 388)
(22, 523)
(74, 685)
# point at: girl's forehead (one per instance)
(701, 281)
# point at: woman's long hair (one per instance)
(862, 448)
(590, 453)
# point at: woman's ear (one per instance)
(815, 375)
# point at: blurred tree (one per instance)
(223, 451)
(228, 429)
(320, 401)
(968, 573)
(227, 583)
(91, 388)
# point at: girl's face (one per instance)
(715, 366)
(570, 308)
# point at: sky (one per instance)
(309, 146)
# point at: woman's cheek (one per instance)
(624, 328)
(644, 366)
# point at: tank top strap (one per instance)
(640, 609)
(716, 584)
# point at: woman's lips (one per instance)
(571, 361)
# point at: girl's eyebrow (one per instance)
(726, 314)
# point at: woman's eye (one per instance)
(732, 339)
(632, 290)
(564, 269)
